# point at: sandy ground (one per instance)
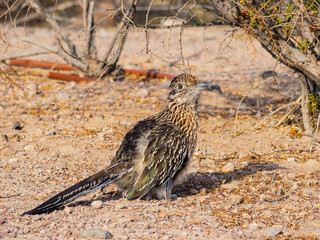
(246, 182)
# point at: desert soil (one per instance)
(246, 181)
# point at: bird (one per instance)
(152, 156)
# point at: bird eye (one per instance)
(180, 86)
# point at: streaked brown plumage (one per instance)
(152, 155)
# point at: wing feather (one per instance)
(164, 156)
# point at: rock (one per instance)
(236, 199)
(203, 190)
(97, 204)
(51, 132)
(311, 165)
(64, 96)
(271, 231)
(229, 167)
(28, 148)
(207, 163)
(13, 160)
(2, 220)
(17, 126)
(142, 93)
(193, 191)
(232, 185)
(291, 159)
(235, 210)
(95, 233)
(253, 227)
(101, 136)
(162, 214)
(185, 233)
(166, 237)
(242, 155)
(67, 210)
(268, 74)
(212, 113)
(243, 164)
(266, 214)
(39, 131)
(174, 196)
(20, 154)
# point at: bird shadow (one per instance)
(213, 180)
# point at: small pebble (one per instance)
(236, 199)
(166, 237)
(97, 204)
(17, 126)
(67, 210)
(95, 234)
(246, 215)
(64, 96)
(28, 148)
(162, 214)
(291, 159)
(50, 133)
(208, 163)
(20, 154)
(13, 160)
(2, 221)
(193, 191)
(253, 226)
(243, 164)
(203, 190)
(271, 231)
(229, 167)
(142, 93)
(232, 185)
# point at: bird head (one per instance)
(185, 88)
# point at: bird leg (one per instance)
(167, 189)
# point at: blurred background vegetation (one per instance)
(71, 11)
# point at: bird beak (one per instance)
(203, 86)
(215, 87)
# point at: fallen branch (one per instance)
(69, 77)
(40, 64)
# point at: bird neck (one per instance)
(184, 115)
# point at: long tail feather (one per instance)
(78, 190)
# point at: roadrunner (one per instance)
(152, 155)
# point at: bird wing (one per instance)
(164, 156)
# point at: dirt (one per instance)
(248, 180)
